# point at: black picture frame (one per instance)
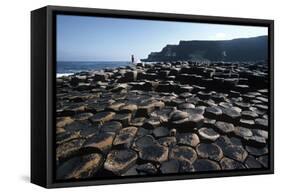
(43, 76)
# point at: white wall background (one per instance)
(15, 95)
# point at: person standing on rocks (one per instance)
(132, 59)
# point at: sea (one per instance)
(65, 68)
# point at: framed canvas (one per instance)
(125, 96)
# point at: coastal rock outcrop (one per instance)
(161, 118)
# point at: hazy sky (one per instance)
(84, 38)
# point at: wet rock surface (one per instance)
(162, 118)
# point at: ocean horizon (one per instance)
(65, 68)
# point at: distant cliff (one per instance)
(242, 49)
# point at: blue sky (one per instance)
(87, 38)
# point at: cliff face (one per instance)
(243, 49)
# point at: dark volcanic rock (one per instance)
(125, 137)
(257, 151)
(225, 105)
(185, 121)
(96, 107)
(152, 123)
(243, 132)
(263, 160)
(67, 136)
(63, 121)
(173, 132)
(257, 141)
(120, 87)
(189, 139)
(100, 76)
(153, 153)
(247, 123)
(243, 105)
(168, 141)
(251, 162)
(71, 110)
(163, 117)
(78, 125)
(235, 152)
(262, 123)
(150, 150)
(129, 76)
(185, 95)
(160, 132)
(119, 161)
(80, 167)
(147, 85)
(186, 106)
(262, 107)
(209, 122)
(167, 87)
(225, 127)
(111, 126)
(261, 133)
(177, 115)
(138, 122)
(102, 117)
(83, 116)
(213, 112)
(101, 141)
(129, 108)
(209, 151)
(183, 153)
(195, 120)
(208, 134)
(115, 106)
(144, 141)
(142, 132)
(124, 118)
(223, 141)
(186, 166)
(176, 102)
(145, 109)
(217, 97)
(147, 168)
(202, 165)
(194, 111)
(236, 141)
(229, 164)
(171, 166)
(249, 115)
(204, 95)
(68, 149)
(59, 131)
(230, 114)
(132, 171)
